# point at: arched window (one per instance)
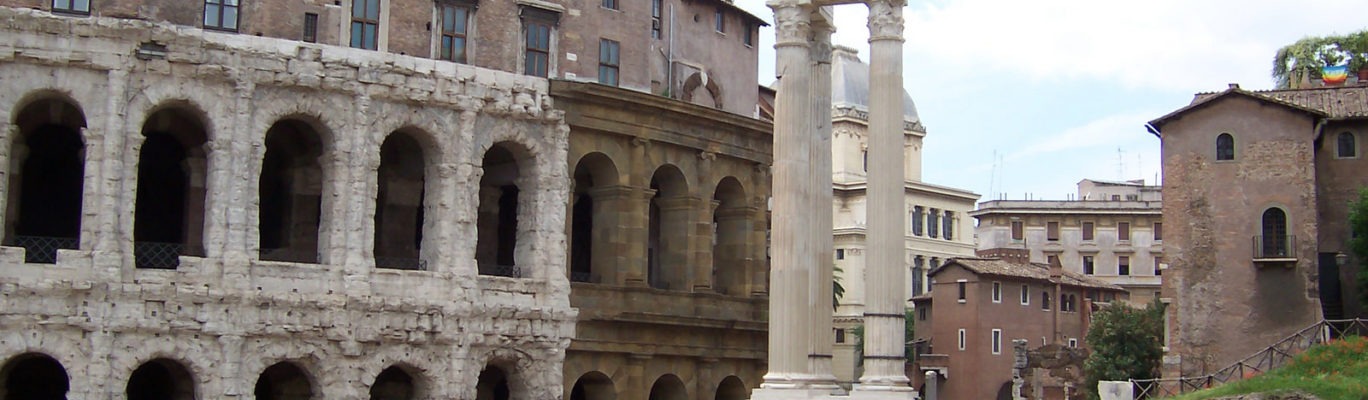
(731, 388)
(168, 220)
(492, 384)
(291, 193)
(399, 204)
(46, 178)
(497, 223)
(593, 385)
(667, 247)
(283, 381)
(34, 377)
(1225, 147)
(161, 379)
(393, 384)
(731, 226)
(1345, 145)
(593, 218)
(668, 387)
(1274, 240)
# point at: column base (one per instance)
(865, 394)
(791, 394)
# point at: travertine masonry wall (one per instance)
(229, 315)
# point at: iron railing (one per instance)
(405, 263)
(156, 255)
(43, 249)
(510, 271)
(289, 255)
(1274, 247)
(1260, 362)
(577, 276)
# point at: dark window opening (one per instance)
(283, 381)
(393, 384)
(840, 254)
(932, 223)
(1345, 146)
(365, 24)
(948, 230)
(610, 4)
(581, 239)
(1018, 230)
(748, 35)
(161, 379)
(1087, 231)
(455, 20)
(917, 220)
(1123, 266)
(47, 174)
(1122, 231)
(221, 14)
(1158, 231)
(492, 384)
(655, 18)
(291, 193)
(168, 219)
(667, 241)
(608, 62)
(310, 27)
(963, 289)
(720, 22)
(840, 335)
(1052, 231)
(1274, 238)
(34, 377)
(1225, 147)
(399, 204)
(496, 243)
(1045, 300)
(1088, 265)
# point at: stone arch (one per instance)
(731, 227)
(291, 191)
(669, 387)
(593, 385)
(33, 376)
(46, 177)
(667, 250)
(161, 379)
(397, 382)
(731, 388)
(169, 205)
(505, 211)
(593, 218)
(701, 79)
(401, 202)
(285, 380)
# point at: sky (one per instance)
(1025, 98)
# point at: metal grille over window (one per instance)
(1346, 146)
(365, 25)
(310, 27)
(454, 24)
(158, 255)
(71, 6)
(1225, 147)
(221, 14)
(608, 62)
(41, 249)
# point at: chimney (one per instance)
(1234, 85)
(1056, 270)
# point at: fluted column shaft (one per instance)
(792, 247)
(822, 340)
(884, 303)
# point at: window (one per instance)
(1087, 231)
(1122, 231)
(949, 225)
(921, 313)
(310, 28)
(608, 62)
(748, 35)
(1051, 259)
(1274, 231)
(1225, 147)
(961, 340)
(365, 24)
(1158, 231)
(864, 160)
(932, 221)
(221, 14)
(1345, 146)
(963, 289)
(997, 341)
(1018, 230)
(1052, 231)
(997, 292)
(610, 4)
(1132, 197)
(71, 6)
(538, 48)
(1123, 265)
(1116, 197)
(1157, 270)
(840, 254)
(455, 25)
(1109, 296)
(1025, 295)
(719, 22)
(1063, 302)
(1087, 265)
(917, 221)
(656, 7)
(840, 335)
(917, 276)
(1045, 300)
(1073, 342)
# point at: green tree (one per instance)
(837, 290)
(1358, 241)
(1126, 343)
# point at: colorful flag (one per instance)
(1335, 74)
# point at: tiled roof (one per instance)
(1031, 271)
(1336, 101)
(1203, 99)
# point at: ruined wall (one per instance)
(1224, 305)
(228, 315)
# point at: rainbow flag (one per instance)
(1335, 74)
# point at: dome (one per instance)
(850, 83)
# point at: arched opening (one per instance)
(593, 385)
(1274, 240)
(701, 90)
(667, 230)
(592, 220)
(493, 384)
(1345, 145)
(283, 381)
(168, 219)
(291, 193)
(47, 173)
(399, 204)
(497, 222)
(1225, 147)
(161, 379)
(730, 227)
(393, 384)
(33, 377)
(731, 388)
(668, 387)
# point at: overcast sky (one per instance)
(1060, 90)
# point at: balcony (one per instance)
(1275, 249)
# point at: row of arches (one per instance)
(672, 218)
(36, 376)
(596, 385)
(47, 179)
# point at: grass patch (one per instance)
(1334, 371)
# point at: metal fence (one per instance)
(1271, 357)
(157, 255)
(406, 263)
(1274, 247)
(500, 270)
(290, 255)
(43, 249)
(577, 276)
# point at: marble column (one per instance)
(793, 254)
(823, 338)
(884, 303)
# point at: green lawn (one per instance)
(1335, 371)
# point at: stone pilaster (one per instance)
(703, 227)
(884, 304)
(822, 340)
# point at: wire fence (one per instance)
(500, 270)
(43, 249)
(1271, 357)
(156, 255)
(405, 263)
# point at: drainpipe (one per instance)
(1153, 130)
(669, 57)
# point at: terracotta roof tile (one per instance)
(1032, 271)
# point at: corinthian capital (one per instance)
(792, 24)
(885, 20)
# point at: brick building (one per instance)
(1257, 187)
(966, 324)
(373, 198)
